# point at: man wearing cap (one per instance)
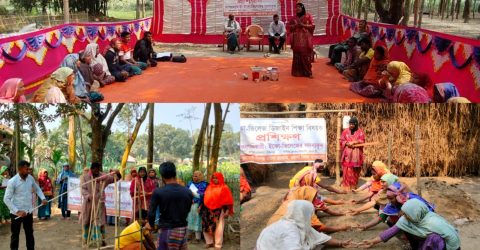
(18, 198)
(308, 176)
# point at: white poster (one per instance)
(346, 121)
(124, 199)
(74, 194)
(251, 7)
(282, 140)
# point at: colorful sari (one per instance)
(47, 188)
(442, 92)
(302, 45)
(404, 72)
(422, 223)
(409, 93)
(194, 219)
(369, 86)
(352, 158)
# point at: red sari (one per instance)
(302, 45)
(143, 191)
(352, 158)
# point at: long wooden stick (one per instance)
(115, 202)
(134, 199)
(366, 144)
(337, 160)
(97, 215)
(418, 171)
(89, 234)
(143, 194)
(389, 151)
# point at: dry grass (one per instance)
(450, 134)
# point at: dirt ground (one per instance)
(57, 234)
(455, 198)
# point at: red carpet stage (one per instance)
(213, 80)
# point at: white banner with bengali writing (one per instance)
(125, 201)
(251, 7)
(282, 140)
(74, 194)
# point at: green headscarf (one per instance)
(423, 222)
(2, 170)
(389, 178)
(61, 74)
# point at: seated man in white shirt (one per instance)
(232, 30)
(276, 31)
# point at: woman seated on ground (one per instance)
(99, 65)
(397, 73)
(396, 196)
(411, 92)
(352, 55)
(308, 194)
(80, 86)
(245, 190)
(374, 185)
(120, 71)
(12, 91)
(60, 83)
(87, 73)
(442, 92)
(294, 231)
(369, 86)
(379, 200)
(357, 70)
(423, 228)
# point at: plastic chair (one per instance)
(254, 35)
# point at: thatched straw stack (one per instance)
(450, 134)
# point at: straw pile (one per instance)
(449, 134)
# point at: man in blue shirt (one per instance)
(18, 198)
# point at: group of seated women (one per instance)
(373, 74)
(80, 75)
(410, 217)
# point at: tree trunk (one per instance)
(420, 17)
(457, 9)
(201, 138)
(131, 140)
(391, 14)
(217, 136)
(66, 11)
(84, 151)
(101, 132)
(137, 13)
(432, 9)
(415, 13)
(367, 9)
(406, 14)
(209, 143)
(151, 113)
(466, 11)
(444, 8)
(71, 142)
(360, 5)
(452, 9)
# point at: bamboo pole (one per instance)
(115, 186)
(97, 215)
(134, 199)
(337, 160)
(389, 149)
(296, 112)
(418, 171)
(118, 211)
(92, 210)
(143, 194)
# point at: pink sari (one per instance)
(302, 45)
(352, 158)
(8, 91)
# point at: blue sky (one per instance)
(168, 113)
